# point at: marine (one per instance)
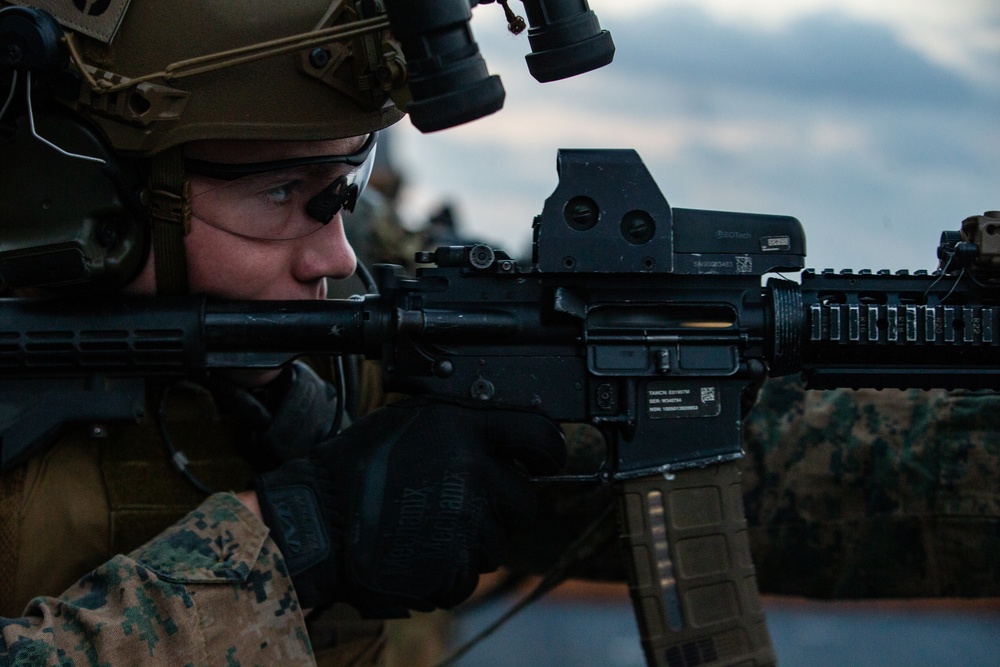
(126, 173)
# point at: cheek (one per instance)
(228, 266)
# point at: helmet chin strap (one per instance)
(170, 216)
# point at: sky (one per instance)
(877, 125)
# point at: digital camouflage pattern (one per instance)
(212, 589)
(870, 494)
(109, 495)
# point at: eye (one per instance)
(282, 193)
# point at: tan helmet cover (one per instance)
(154, 79)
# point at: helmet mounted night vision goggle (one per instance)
(440, 79)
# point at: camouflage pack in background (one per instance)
(861, 494)
(848, 494)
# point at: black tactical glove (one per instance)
(405, 508)
(284, 419)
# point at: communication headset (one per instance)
(70, 217)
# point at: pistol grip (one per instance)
(692, 580)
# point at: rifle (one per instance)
(647, 321)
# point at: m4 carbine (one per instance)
(646, 321)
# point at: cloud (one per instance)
(825, 56)
(959, 34)
(874, 145)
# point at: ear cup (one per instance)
(30, 39)
(70, 215)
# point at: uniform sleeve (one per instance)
(211, 590)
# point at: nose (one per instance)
(325, 253)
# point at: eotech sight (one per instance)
(647, 321)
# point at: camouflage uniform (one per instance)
(862, 494)
(212, 589)
(214, 583)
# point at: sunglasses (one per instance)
(265, 200)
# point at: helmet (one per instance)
(117, 87)
(185, 70)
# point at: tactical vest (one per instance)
(106, 489)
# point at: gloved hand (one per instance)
(284, 419)
(405, 508)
